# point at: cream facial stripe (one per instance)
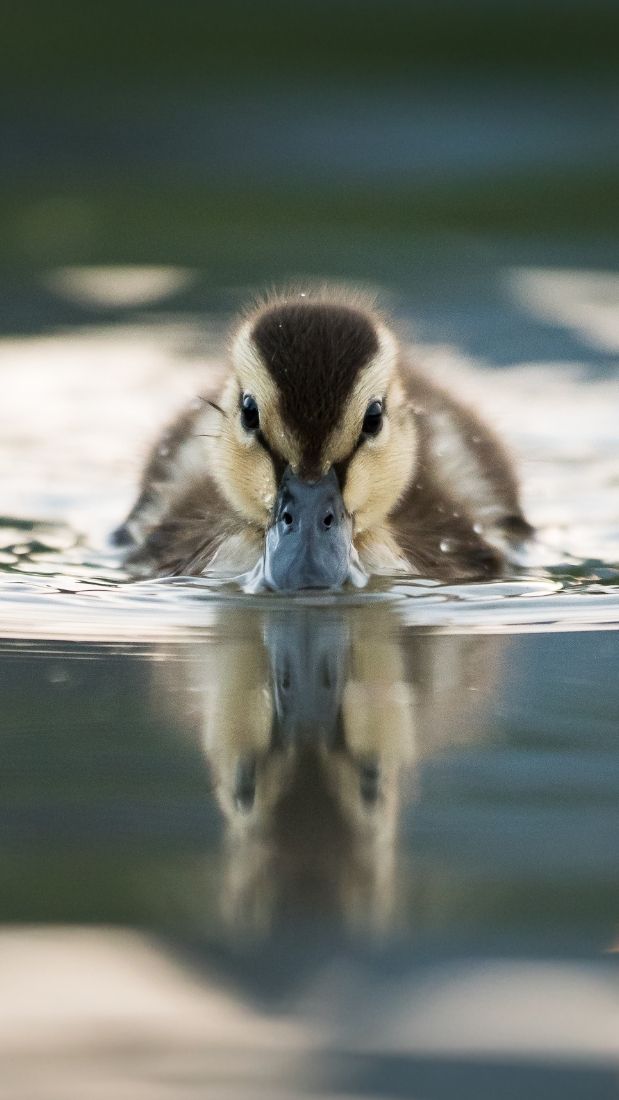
(252, 376)
(373, 384)
(382, 468)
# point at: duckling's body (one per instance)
(325, 457)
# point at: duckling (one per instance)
(325, 457)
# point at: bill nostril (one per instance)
(328, 520)
(287, 518)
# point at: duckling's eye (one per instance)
(250, 417)
(373, 419)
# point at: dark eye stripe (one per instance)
(341, 469)
(250, 419)
(279, 464)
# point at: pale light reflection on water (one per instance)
(361, 845)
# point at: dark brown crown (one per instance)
(314, 352)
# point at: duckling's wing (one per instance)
(176, 455)
(462, 508)
(179, 517)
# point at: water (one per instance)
(363, 844)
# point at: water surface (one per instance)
(372, 835)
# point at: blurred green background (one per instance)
(260, 139)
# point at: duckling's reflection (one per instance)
(311, 724)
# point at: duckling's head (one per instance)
(318, 441)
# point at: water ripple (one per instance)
(53, 585)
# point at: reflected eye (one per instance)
(373, 419)
(250, 417)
